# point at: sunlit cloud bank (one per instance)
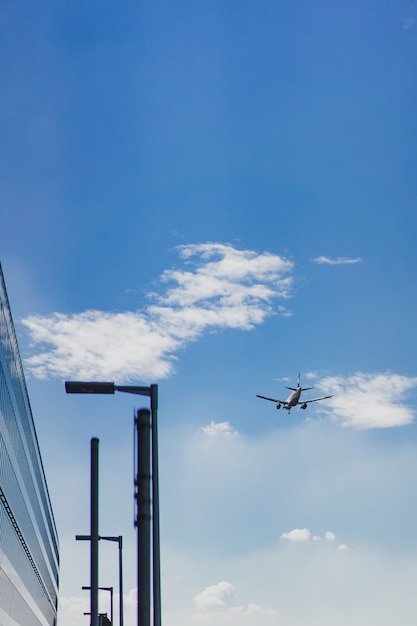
(340, 260)
(369, 400)
(218, 287)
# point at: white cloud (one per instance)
(298, 534)
(219, 429)
(284, 311)
(340, 260)
(215, 596)
(343, 547)
(219, 603)
(369, 400)
(220, 287)
(304, 534)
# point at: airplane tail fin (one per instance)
(299, 385)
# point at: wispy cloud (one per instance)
(221, 602)
(369, 400)
(301, 535)
(219, 429)
(219, 595)
(297, 535)
(218, 287)
(409, 23)
(340, 260)
(343, 547)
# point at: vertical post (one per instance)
(156, 560)
(111, 605)
(120, 581)
(94, 533)
(143, 521)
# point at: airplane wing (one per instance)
(314, 400)
(272, 399)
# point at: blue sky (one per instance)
(214, 196)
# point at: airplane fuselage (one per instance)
(293, 398)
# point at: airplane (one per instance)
(294, 398)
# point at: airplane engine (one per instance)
(303, 406)
(278, 405)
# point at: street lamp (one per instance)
(151, 392)
(119, 540)
(111, 598)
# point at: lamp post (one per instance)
(111, 598)
(151, 392)
(94, 533)
(119, 540)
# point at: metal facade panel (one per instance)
(29, 552)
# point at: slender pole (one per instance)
(119, 540)
(143, 521)
(156, 553)
(120, 581)
(94, 533)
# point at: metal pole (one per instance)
(120, 581)
(119, 540)
(156, 553)
(143, 521)
(94, 533)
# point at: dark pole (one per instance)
(143, 520)
(111, 605)
(120, 581)
(156, 557)
(119, 540)
(111, 601)
(94, 533)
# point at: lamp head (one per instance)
(87, 387)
